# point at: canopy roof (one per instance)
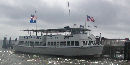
(59, 30)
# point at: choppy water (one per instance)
(8, 57)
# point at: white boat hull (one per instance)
(68, 51)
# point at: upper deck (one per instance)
(61, 30)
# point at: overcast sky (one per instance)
(111, 16)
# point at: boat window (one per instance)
(36, 43)
(86, 42)
(48, 43)
(63, 43)
(21, 42)
(31, 43)
(54, 43)
(76, 43)
(68, 43)
(51, 43)
(72, 43)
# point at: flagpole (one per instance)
(69, 7)
(36, 22)
(36, 28)
(85, 21)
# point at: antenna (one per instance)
(69, 7)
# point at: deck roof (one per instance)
(59, 30)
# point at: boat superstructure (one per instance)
(64, 41)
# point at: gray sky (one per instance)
(111, 16)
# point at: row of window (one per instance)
(64, 43)
(30, 43)
(28, 37)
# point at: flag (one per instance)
(89, 18)
(33, 19)
(92, 19)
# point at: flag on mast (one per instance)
(92, 19)
(89, 18)
(33, 19)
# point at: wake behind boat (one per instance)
(64, 41)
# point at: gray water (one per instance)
(8, 57)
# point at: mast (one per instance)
(36, 22)
(86, 22)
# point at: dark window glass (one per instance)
(37, 43)
(63, 43)
(76, 43)
(83, 41)
(54, 43)
(72, 43)
(51, 43)
(21, 41)
(68, 43)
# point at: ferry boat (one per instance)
(65, 41)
